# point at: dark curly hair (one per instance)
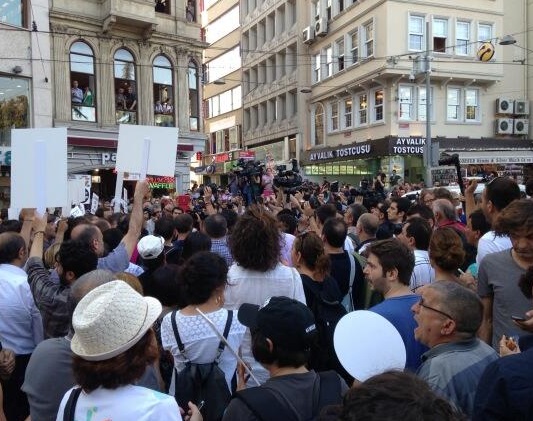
(446, 249)
(199, 276)
(255, 242)
(122, 370)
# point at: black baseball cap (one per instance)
(286, 322)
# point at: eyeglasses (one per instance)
(421, 304)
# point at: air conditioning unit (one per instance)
(504, 126)
(308, 35)
(504, 106)
(521, 126)
(521, 107)
(321, 27)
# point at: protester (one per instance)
(216, 227)
(257, 272)
(283, 348)
(448, 317)
(446, 254)
(113, 343)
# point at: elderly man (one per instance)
(448, 317)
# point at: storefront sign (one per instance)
(247, 154)
(407, 146)
(348, 152)
(109, 157)
(222, 157)
(496, 160)
(5, 156)
(161, 182)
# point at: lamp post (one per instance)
(428, 151)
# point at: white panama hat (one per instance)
(111, 319)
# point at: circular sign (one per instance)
(485, 51)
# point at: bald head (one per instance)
(368, 223)
(90, 235)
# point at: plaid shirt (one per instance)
(220, 247)
(50, 298)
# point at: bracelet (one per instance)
(38, 232)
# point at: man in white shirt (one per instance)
(21, 326)
(416, 234)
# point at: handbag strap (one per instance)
(221, 344)
(70, 407)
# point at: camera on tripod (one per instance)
(288, 178)
(447, 159)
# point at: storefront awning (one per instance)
(496, 157)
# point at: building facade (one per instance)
(126, 62)
(25, 77)
(368, 101)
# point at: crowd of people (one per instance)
(225, 310)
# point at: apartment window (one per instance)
(406, 103)
(190, 11)
(222, 26)
(340, 54)
(125, 88)
(454, 104)
(194, 100)
(224, 64)
(471, 105)
(416, 33)
(362, 113)
(329, 61)
(316, 68)
(163, 91)
(15, 13)
(440, 35)
(162, 6)
(355, 46)
(328, 9)
(462, 38)
(378, 105)
(15, 112)
(422, 101)
(82, 82)
(348, 112)
(484, 32)
(319, 124)
(334, 108)
(369, 39)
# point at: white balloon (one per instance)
(368, 344)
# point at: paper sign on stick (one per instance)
(76, 191)
(94, 203)
(125, 199)
(38, 168)
(163, 143)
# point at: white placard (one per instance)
(163, 143)
(125, 199)
(94, 203)
(76, 212)
(76, 191)
(31, 183)
(368, 344)
(13, 213)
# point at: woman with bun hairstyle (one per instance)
(202, 279)
(446, 254)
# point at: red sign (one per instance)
(247, 154)
(161, 182)
(222, 157)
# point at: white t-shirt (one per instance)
(491, 243)
(201, 342)
(126, 403)
(250, 286)
(423, 273)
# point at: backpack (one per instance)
(269, 405)
(203, 382)
(327, 314)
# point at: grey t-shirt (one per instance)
(498, 277)
(297, 389)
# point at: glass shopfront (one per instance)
(14, 106)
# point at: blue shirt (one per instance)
(21, 326)
(397, 310)
(220, 247)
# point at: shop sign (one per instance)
(5, 156)
(407, 146)
(247, 154)
(161, 182)
(497, 160)
(199, 170)
(222, 157)
(109, 157)
(350, 151)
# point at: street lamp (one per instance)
(507, 40)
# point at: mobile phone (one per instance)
(519, 318)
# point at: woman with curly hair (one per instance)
(446, 254)
(112, 345)
(257, 272)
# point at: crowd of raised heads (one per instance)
(221, 307)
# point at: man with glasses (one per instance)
(448, 317)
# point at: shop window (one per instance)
(14, 107)
(15, 12)
(163, 92)
(319, 124)
(82, 82)
(125, 88)
(194, 109)
(190, 11)
(162, 6)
